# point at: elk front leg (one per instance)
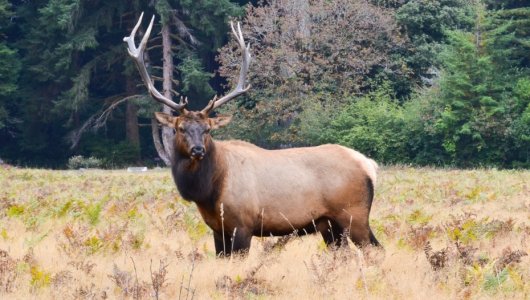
(222, 247)
(238, 241)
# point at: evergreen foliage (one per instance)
(442, 82)
(426, 22)
(75, 65)
(482, 94)
(9, 69)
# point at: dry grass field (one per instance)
(447, 234)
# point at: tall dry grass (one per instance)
(448, 234)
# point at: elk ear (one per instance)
(165, 119)
(220, 121)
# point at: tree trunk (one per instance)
(158, 144)
(132, 133)
(167, 133)
(164, 146)
(131, 124)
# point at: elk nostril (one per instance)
(197, 150)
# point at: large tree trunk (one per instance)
(167, 133)
(164, 144)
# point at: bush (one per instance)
(112, 154)
(380, 127)
(121, 154)
(316, 118)
(373, 126)
(78, 161)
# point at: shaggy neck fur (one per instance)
(199, 181)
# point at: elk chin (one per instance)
(197, 157)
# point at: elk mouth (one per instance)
(197, 157)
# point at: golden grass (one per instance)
(448, 234)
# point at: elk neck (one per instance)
(200, 181)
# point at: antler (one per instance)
(240, 88)
(138, 56)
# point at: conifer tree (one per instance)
(483, 112)
(9, 69)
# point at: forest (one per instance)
(416, 82)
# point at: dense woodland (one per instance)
(423, 82)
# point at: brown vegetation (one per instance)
(112, 234)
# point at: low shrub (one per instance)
(79, 161)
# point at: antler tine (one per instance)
(238, 34)
(130, 39)
(184, 103)
(245, 63)
(209, 106)
(138, 56)
(183, 100)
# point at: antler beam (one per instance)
(138, 56)
(245, 63)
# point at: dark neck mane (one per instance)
(199, 181)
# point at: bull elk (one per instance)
(242, 190)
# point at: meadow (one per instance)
(95, 234)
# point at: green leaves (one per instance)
(370, 125)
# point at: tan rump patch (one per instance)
(368, 164)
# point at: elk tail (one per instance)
(370, 192)
(373, 240)
(369, 200)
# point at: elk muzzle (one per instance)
(197, 152)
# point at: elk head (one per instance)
(193, 128)
(192, 136)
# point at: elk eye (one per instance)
(207, 130)
(181, 130)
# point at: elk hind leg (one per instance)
(358, 230)
(373, 240)
(331, 232)
(361, 235)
